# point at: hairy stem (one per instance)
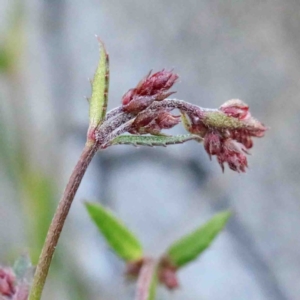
(59, 219)
(112, 124)
(181, 105)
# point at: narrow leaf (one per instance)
(192, 245)
(160, 140)
(98, 101)
(120, 239)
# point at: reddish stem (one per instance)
(146, 280)
(59, 219)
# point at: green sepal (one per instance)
(117, 235)
(219, 120)
(185, 121)
(100, 84)
(154, 140)
(192, 245)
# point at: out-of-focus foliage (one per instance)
(11, 45)
(192, 245)
(120, 238)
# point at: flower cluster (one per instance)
(154, 87)
(228, 133)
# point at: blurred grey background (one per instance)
(221, 49)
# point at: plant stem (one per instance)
(59, 219)
(147, 281)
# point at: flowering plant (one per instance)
(146, 111)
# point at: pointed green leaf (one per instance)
(154, 140)
(120, 239)
(98, 101)
(192, 245)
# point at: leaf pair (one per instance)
(128, 247)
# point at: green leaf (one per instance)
(157, 140)
(192, 245)
(98, 101)
(120, 239)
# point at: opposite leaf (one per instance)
(191, 246)
(120, 239)
(98, 101)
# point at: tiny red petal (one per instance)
(236, 108)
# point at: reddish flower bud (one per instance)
(212, 143)
(152, 88)
(235, 108)
(153, 122)
(138, 104)
(234, 154)
(242, 137)
(165, 120)
(7, 282)
(167, 273)
(128, 96)
(169, 278)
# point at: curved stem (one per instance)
(59, 219)
(181, 105)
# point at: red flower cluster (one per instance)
(7, 282)
(152, 88)
(231, 137)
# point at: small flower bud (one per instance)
(152, 88)
(165, 120)
(153, 122)
(233, 153)
(167, 274)
(7, 282)
(169, 278)
(138, 104)
(212, 143)
(235, 108)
